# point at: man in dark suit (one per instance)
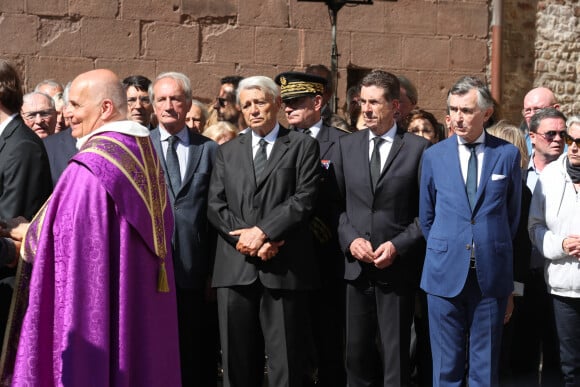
(302, 97)
(187, 160)
(378, 174)
(60, 147)
(24, 171)
(469, 212)
(262, 193)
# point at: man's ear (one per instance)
(318, 102)
(107, 109)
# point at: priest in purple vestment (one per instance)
(101, 306)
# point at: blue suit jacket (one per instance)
(449, 226)
(192, 237)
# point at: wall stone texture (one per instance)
(433, 42)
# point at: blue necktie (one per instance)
(471, 181)
(173, 164)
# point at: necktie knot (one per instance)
(378, 141)
(262, 143)
(307, 132)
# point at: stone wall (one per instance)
(541, 47)
(433, 42)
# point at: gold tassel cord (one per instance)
(162, 284)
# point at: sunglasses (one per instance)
(551, 135)
(569, 140)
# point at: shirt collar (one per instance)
(182, 135)
(5, 123)
(131, 128)
(270, 137)
(479, 140)
(387, 136)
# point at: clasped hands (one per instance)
(255, 243)
(571, 245)
(382, 257)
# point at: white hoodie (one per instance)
(555, 214)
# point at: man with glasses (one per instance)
(39, 113)
(140, 107)
(535, 338)
(225, 105)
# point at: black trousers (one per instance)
(257, 321)
(198, 338)
(378, 330)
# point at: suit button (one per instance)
(468, 247)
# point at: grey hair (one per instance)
(465, 84)
(260, 82)
(573, 120)
(542, 114)
(181, 79)
(202, 108)
(48, 82)
(28, 97)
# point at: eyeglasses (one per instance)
(44, 114)
(551, 135)
(143, 100)
(570, 140)
(528, 112)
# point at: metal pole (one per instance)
(334, 59)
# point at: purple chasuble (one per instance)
(95, 315)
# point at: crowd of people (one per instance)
(147, 238)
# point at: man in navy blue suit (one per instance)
(469, 212)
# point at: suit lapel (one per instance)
(195, 151)
(280, 148)
(490, 158)
(156, 140)
(8, 131)
(451, 165)
(324, 142)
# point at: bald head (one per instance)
(95, 98)
(536, 99)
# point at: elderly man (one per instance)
(39, 114)
(196, 117)
(469, 210)
(536, 99)
(187, 160)
(262, 193)
(56, 92)
(102, 297)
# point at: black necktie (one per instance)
(307, 132)
(471, 181)
(173, 164)
(260, 159)
(375, 164)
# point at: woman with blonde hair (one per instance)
(221, 132)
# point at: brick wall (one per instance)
(433, 42)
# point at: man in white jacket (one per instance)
(554, 226)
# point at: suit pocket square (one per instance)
(495, 177)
